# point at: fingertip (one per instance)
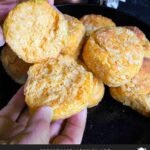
(45, 113)
(2, 40)
(51, 2)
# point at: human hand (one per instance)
(5, 7)
(17, 127)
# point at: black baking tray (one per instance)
(110, 122)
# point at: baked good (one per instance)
(14, 66)
(63, 84)
(35, 31)
(98, 92)
(145, 42)
(98, 88)
(76, 31)
(114, 54)
(136, 93)
(93, 22)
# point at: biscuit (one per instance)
(114, 54)
(136, 93)
(76, 31)
(145, 42)
(98, 89)
(35, 31)
(93, 22)
(98, 92)
(63, 84)
(14, 66)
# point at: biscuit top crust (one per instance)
(115, 54)
(74, 25)
(120, 44)
(140, 84)
(92, 22)
(52, 83)
(137, 31)
(35, 31)
(145, 42)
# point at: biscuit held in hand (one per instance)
(35, 31)
(98, 92)
(15, 67)
(136, 93)
(114, 54)
(63, 84)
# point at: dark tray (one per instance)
(110, 122)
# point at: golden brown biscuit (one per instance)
(63, 84)
(15, 67)
(98, 89)
(114, 54)
(136, 93)
(145, 42)
(98, 92)
(93, 22)
(76, 31)
(35, 31)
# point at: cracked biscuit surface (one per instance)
(63, 84)
(136, 93)
(114, 54)
(35, 31)
(92, 22)
(76, 31)
(15, 67)
(145, 42)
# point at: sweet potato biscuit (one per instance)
(35, 31)
(93, 22)
(136, 93)
(98, 92)
(114, 54)
(145, 42)
(76, 31)
(63, 84)
(98, 88)
(14, 66)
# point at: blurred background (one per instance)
(137, 8)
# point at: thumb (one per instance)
(2, 41)
(37, 130)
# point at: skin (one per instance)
(18, 127)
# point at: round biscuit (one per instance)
(114, 54)
(136, 93)
(35, 31)
(63, 84)
(92, 22)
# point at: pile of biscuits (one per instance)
(65, 62)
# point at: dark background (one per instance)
(137, 8)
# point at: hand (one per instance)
(5, 7)
(17, 127)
